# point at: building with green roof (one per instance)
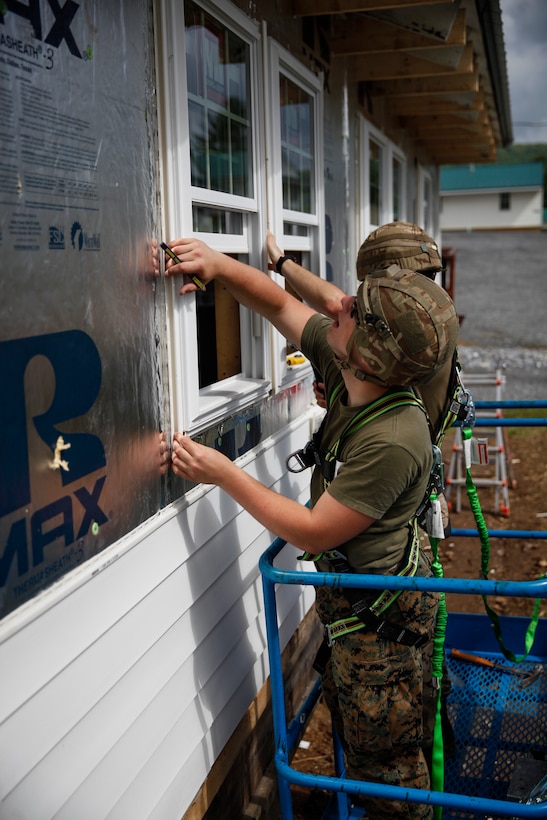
(492, 197)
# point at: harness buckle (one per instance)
(308, 456)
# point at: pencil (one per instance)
(175, 258)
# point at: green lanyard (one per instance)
(485, 561)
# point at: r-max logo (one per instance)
(76, 365)
(59, 31)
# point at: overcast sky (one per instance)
(525, 35)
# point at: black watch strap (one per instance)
(281, 261)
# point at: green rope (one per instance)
(484, 537)
(437, 769)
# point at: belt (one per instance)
(371, 616)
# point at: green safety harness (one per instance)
(366, 615)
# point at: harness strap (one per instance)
(388, 630)
(371, 615)
(377, 408)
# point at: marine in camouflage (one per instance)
(399, 243)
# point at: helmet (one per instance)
(407, 326)
(399, 243)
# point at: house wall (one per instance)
(132, 639)
(481, 211)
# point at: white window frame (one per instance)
(194, 409)
(278, 61)
(389, 151)
(425, 218)
(397, 154)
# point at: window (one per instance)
(505, 201)
(295, 149)
(212, 152)
(218, 83)
(426, 220)
(375, 182)
(297, 140)
(397, 188)
(382, 182)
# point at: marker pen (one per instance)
(175, 258)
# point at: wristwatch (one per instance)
(281, 261)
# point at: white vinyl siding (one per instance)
(134, 672)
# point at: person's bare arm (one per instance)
(326, 526)
(249, 286)
(324, 297)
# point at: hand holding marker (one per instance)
(176, 259)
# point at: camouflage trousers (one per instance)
(374, 690)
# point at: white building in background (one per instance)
(492, 197)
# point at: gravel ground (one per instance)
(500, 291)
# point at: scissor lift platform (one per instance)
(499, 723)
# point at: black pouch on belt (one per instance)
(322, 657)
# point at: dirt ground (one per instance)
(510, 559)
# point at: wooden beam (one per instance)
(458, 147)
(476, 120)
(419, 86)
(441, 130)
(417, 108)
(463, 157)
(395, 65)
(303, 8)
(433, 104)
(368, 35)
(427, 126)
(448, 137)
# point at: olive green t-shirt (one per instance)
(384, 466)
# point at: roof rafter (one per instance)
(377, 36)
(303, 8)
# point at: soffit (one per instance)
(427, 66)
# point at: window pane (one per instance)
(218, 68)
(397, 178)
(198, 140)
(219, 339)
(428, 204)
(298, 170)
(214, 220)
(374, 181)
(292, 229)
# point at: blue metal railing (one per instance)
(285, 736)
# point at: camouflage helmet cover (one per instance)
(398, 243)
(408, 326)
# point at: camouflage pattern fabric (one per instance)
(407, 326)
(374, 690)
(398, 243)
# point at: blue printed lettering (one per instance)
(16, 545)
(59, 31)
(92, 510)
(78, 374)
(52, 522)
(64, 529)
